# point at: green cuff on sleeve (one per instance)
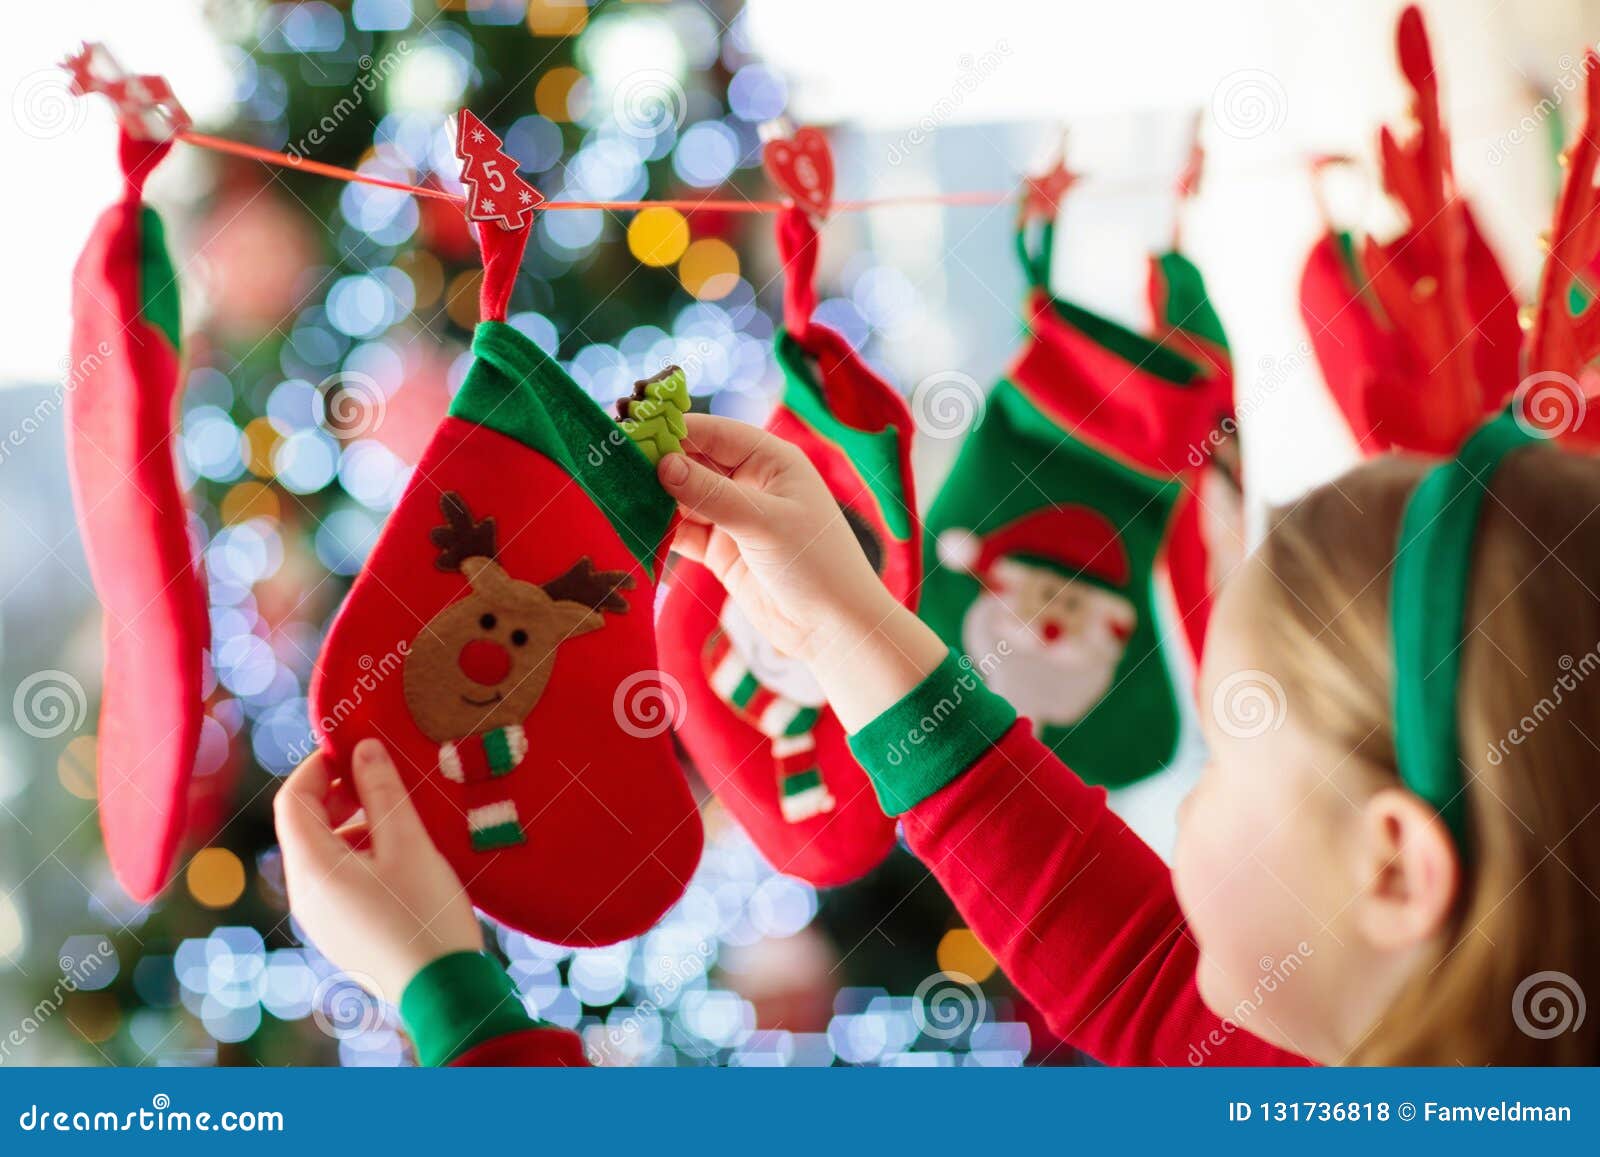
(938, 730)
(459, 1001)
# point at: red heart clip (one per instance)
(802, 166)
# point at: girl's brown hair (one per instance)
(1522, 952)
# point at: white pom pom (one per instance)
(958, 550)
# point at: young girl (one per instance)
(1318, 909)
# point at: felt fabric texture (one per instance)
(857, 431)
(120, 407)
(1100, 424)
(513, 586)
(1374, 372)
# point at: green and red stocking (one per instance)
(499, 641)
(120, 405)
(1068, 558)
(756, 725)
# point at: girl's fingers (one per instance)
(390, 813)
(711, 497)
(727, 442)
(341, 802)
(305, 831)
(690, 541)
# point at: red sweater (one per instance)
(1077, 909)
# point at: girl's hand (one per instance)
(759, 517)
(373, 894)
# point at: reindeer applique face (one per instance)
(477, 669)
(484, 661)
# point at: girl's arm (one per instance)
(1078, 911)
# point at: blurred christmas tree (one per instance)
(330, 324)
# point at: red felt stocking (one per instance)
(499, 641)
(125, 348)
(756, 725)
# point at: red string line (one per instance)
(687, 205)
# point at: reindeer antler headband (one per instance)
(1433, 560)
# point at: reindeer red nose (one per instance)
(484, 662)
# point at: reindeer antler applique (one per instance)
(595, 589)
(1419, 278)
(1562, 341)
(460, 538)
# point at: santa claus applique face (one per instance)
(1056, 641)
(1048, 629)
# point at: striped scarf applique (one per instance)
(479, 759)
(787, 725)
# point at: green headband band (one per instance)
(1428, 606)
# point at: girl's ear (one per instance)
(1409, 868)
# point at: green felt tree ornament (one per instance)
(653, 415)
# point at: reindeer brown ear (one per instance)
(460, 538)
(595, 589)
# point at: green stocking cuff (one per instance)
(941, 728)
(457, 1002)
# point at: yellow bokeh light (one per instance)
(709, 269)
(426, 274)
(95, 1016)
(260, 439)
(461, 299)
(250, 500)
(658, 236)
(561, 94)
(76, 766)
(961, 952)
(557, 17)
(215, 877)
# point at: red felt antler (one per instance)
(1420, 277)
(1564, 342)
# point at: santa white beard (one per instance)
(784, 674)
(1053, 683)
